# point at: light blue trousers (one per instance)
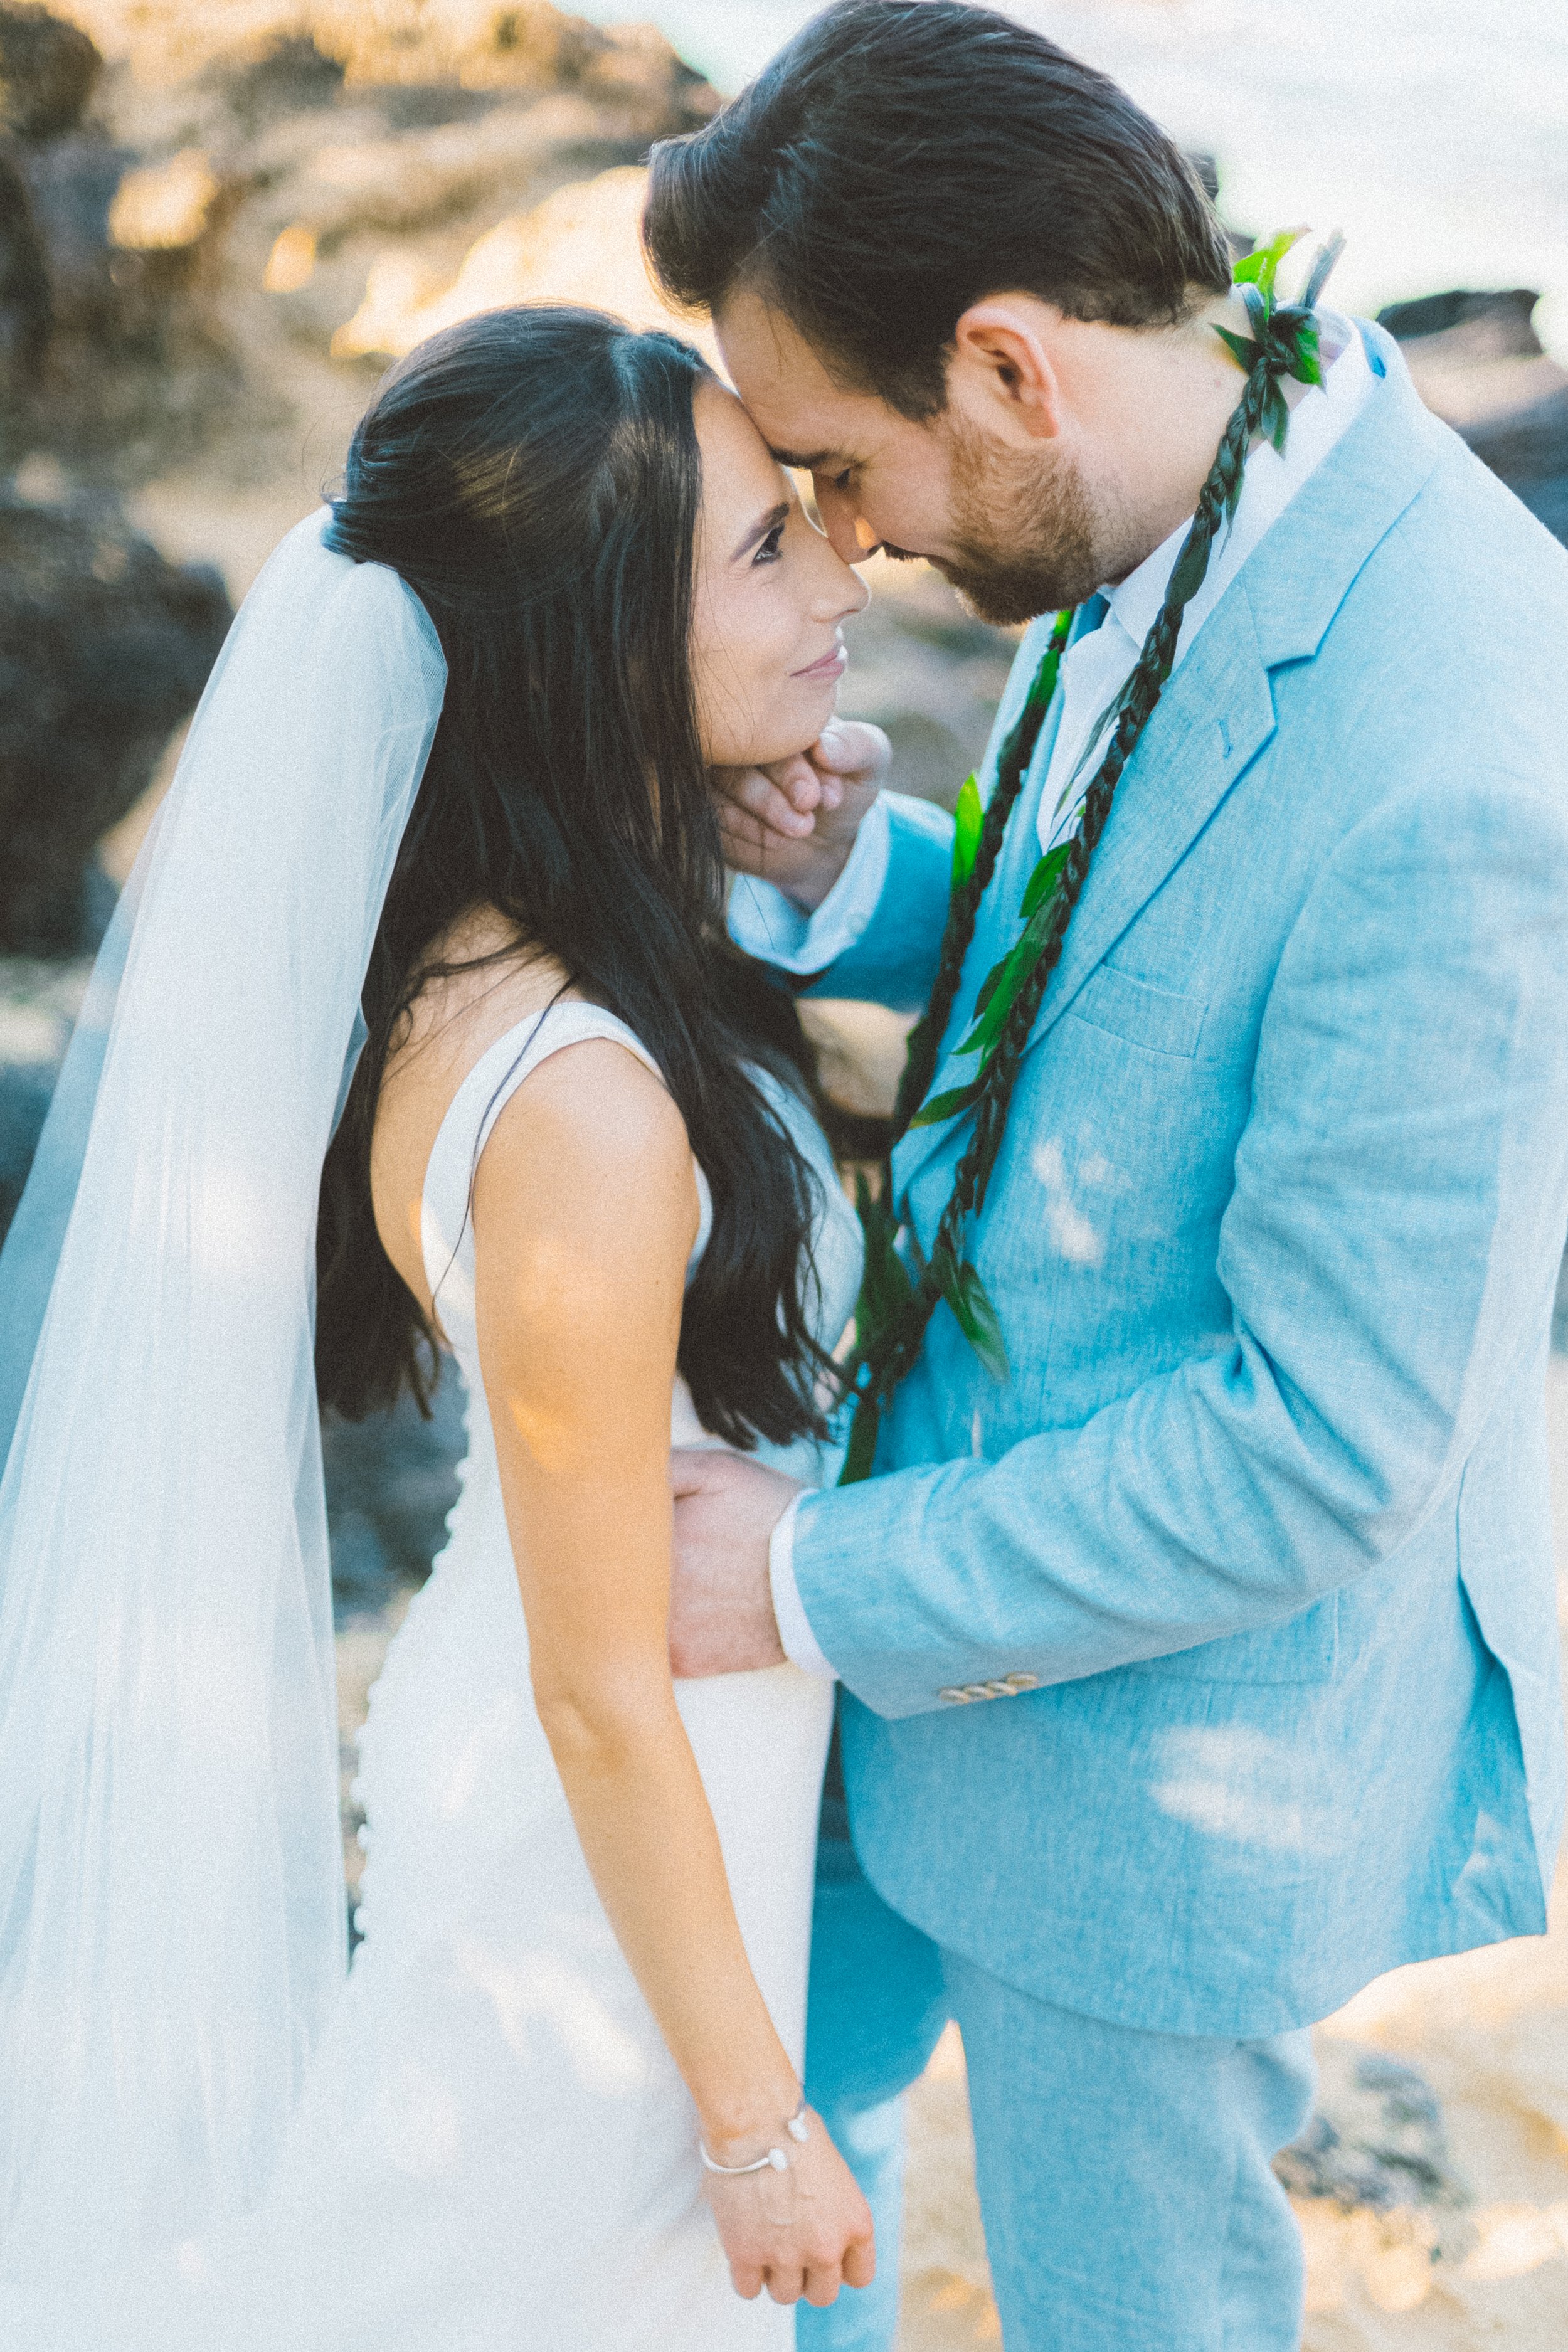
(1124, 2177)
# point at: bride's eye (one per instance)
(769, 550)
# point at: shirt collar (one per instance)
(1318, 419)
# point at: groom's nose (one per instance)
(851, 539)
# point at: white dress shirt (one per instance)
(1094, 669)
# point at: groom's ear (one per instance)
(1001, 373)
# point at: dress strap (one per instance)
(446, 1225)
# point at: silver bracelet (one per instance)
(775, 2159)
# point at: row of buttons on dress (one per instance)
(1009, 1687)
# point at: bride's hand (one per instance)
(795, 822)
(801, 2233)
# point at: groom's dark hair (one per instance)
(902, 159)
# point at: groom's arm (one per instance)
(1389, 1250)
(878, 932)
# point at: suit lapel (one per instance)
(1214, 718)
(1215, 715)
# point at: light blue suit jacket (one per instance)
(1263, 1510)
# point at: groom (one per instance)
(1206, 1666)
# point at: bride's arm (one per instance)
(585, 1215)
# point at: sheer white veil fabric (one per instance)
(172, 1906)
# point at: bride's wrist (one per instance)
(739, 2130)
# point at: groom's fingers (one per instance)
(746, 2278)
(822, 2285)
(785, 2285)
(781, 801)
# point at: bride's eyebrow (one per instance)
(760, 529)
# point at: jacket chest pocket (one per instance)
(1140, 1012)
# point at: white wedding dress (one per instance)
(499, 2150)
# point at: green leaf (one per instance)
(988, 986)
(978, 1319)
(1259, 310)
(885, 1284)
(983, 1037)
(1192, 565)
(947, 1106)
(1276, 418)
(1309, 366)
(1258, 268)
(1243, 349)
(968, 816)
(862, 1450)
(1041, 884)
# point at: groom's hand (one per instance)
(721, 1604)
(795, 822)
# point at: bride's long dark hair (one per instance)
(534, 475)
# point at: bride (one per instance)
(451, 771)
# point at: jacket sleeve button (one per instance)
(953, 1697)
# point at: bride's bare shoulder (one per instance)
(478, 980)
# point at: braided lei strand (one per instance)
(900, 1289)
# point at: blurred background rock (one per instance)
(219, 219)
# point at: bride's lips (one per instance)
(833, 663)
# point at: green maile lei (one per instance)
(901, 1288)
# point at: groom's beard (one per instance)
(1026, 540)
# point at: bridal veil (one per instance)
(171, 1927)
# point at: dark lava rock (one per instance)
(25, 1091)
(104, 649)
(71, 183)
(1496, 326)
(25, 310)
(1529, 450)
(288, 75)
(1377, 2140)
(48, 70)
(138, 372)
(391, 1482)
(1476, 358)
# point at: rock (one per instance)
(287, 75)
(392, 186)
(165, 207)
(1483, 326)
(1528, 449)
(26, 310)
(581, 245)
(138, 369)
(39, 1005)
(1478, 363)
(48, 70)
(104, 649)
(25, 1091)
(392, 1481)
(530, 47)
(71, 186)
(1376, 2142)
